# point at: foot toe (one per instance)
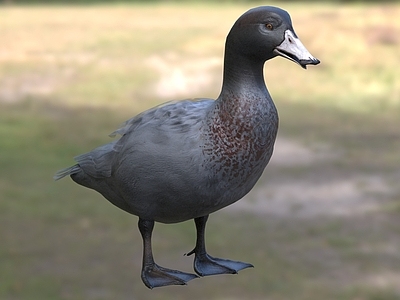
(156, 276)
(208, 265)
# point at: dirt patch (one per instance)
(304, 198)
(383, 280)
(179, 76)
(312, 196)
(16, 88)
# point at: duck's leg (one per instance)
(152, 274)
(205, 264)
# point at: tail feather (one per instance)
(67, 171)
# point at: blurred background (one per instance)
(322, 223)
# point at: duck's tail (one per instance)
(67, 171)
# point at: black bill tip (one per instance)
(304, 62)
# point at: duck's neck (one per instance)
(242, 78)
(243, 89)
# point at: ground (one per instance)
(323, 222)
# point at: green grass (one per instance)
(70, 75)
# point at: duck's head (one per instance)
(265, 32)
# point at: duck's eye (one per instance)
(269, 26)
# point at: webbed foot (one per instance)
(156, 276)
(206, 265)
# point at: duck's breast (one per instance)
(239, 146)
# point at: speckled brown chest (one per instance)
(240, 138)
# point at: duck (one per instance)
(187, 159)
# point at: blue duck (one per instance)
(187, 159)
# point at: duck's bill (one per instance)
(292, 49)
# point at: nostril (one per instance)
(290, 40)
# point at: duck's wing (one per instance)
(169, 112)
(174, 115)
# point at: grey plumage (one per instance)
(67, 171)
